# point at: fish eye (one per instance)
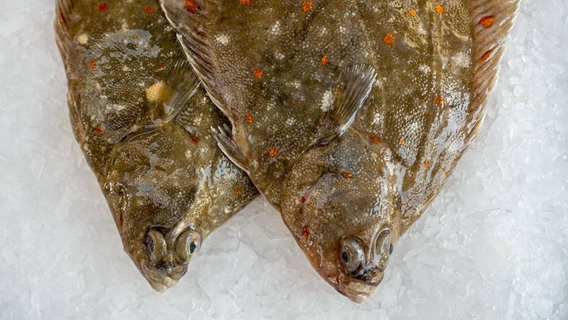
(187, 244)
(384, 246)
(156, 245)
(351, 255)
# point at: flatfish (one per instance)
(347, 115)
(143, 124)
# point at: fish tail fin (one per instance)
(492, 20)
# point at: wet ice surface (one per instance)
(493, 245)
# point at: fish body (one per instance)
(143, 123)
(347, 115)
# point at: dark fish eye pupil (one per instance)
(390, 248)
(151, 246)
(344, 257)
(192, 247)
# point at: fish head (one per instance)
(151, 191)
(338, 202)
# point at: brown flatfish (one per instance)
(347, 115)
(143, 124)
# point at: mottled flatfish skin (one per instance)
(143, 124)
(347, 115)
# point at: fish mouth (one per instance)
(355, 289)
(161, 280)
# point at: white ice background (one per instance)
(493, 245)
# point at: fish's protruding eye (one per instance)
(156, 245)
(351, 255)
(384, 247)
(187, 245)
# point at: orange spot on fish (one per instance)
(194, 138)
(486, 55)
(401, 141)
(258, 72)
(487, 21)
(102, 7)
(99, 131)
(306, 231)
(191, 6)
(347, 175)
(249, 118)
(374, 140)
(160, 65)
(238, 191)
(303, 199)
(426, 164)
(324, 60)
(412, 12)
(149, 9)
(440, 9)
(246, 2)
(307, 6)
(272, 152)
(439, 101)
(389, 38)
(93, 64)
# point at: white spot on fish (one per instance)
(424, 69)
(377, 118)
(327, 101)
(197, 120)
(296, 84)
(461, 59)
(125, 69)
(222, 39)
(83, 39)
(276, 28)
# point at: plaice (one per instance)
(347, 115)
(143, 124)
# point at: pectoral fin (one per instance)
(350, 94)
(183, 82)
(229, 147)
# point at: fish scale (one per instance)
(144, 124)
(347, 115)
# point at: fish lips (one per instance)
(163, 278)
(356, 289)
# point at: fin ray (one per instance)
(184, 83)
(228, 146)
(351, 92)
(488, 48)
(357, 83)
(195, 43)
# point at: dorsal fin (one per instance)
(185, 16)
(63, 9)
(492, 20)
